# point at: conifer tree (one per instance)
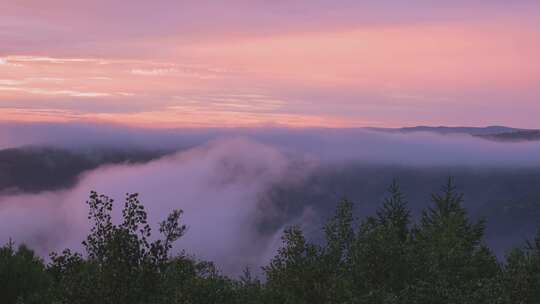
(451, 262)
(380, 264)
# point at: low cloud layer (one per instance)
(216, 185)
(327, 145)
(221, 182)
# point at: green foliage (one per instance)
(385, 258)
(296, 274)
(22, 276)
(122, 265)
(522, 273)
(381, 258)
(451, 263)
(188, 281)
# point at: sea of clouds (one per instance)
(218, 178)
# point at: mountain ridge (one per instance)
(493, 132)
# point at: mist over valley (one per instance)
(240, 188)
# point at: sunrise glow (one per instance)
(259, 63)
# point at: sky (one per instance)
(295, 63)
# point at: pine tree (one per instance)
(380, 261)
(451, 262)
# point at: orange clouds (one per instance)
(336, 74)
(440, 56)
(177, 118)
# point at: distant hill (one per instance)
(497, 133)
(36, 169)
(468, 130)
(527, 135)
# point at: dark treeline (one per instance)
(37, 169)
(384, 258)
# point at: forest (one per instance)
(387, 257)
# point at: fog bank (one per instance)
(224, 183)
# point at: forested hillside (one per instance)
(388, 257)
(36, 169)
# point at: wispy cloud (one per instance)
(10, 82)
(184, 72)
(100, 78)
(232, 102)
(306, 59)
(39, 91)
(125, 94)
(47, 79)
(53, 59)
(153, 72)
(7, 63)
(36, 115)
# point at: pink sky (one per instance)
(293, 63)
